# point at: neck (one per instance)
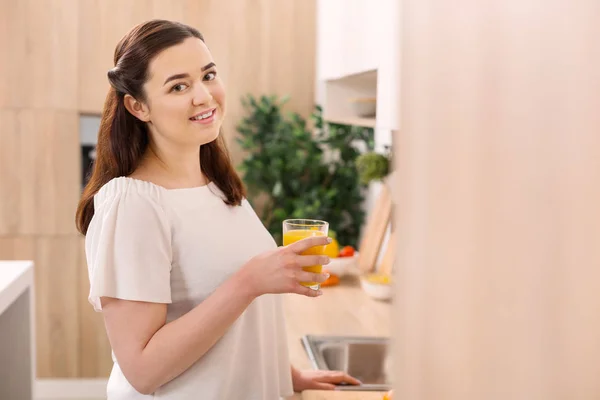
(174, 166)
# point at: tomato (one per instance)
(347, 251)
(331, 281)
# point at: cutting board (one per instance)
(341, 395)
(375, 229)
(387, 263)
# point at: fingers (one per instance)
(303, 276)
(340, 377)
(306, 261)
(324, 386)
(306, 291)
(351, 380)
(305, 244)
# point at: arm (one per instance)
(150, 352)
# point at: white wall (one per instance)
(388, 95)
(360, 35)
(347, 32)
(355, 36)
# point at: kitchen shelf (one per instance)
(351, 120)
(341, 91)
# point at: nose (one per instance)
(202, 95)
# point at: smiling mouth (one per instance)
(204, 116)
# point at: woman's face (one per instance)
(185, 98)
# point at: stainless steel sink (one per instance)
(365, 358)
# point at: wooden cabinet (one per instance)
(101, 24)
(57, 270)
(17, 248)
(94, 348)
(38, 47)
(39, 178)
(48, 167)
(9, 176)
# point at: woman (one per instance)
(182, 269)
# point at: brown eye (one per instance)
(210, 76)
(179, 87)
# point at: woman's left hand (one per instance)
(320, 380)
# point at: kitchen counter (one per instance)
(332, 395)
(344, 309)
(17, 350)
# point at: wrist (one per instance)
(242, 286)
(295, 375)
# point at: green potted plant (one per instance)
(373, 166)
(302, 171)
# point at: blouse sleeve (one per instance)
(128, 249)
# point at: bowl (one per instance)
(377, 286)
(340, 266)
(365, 107)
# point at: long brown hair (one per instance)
(123, 139)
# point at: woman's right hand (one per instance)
(280, 270)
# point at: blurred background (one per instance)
(454, 147)
(311, 89)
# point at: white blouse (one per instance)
(176, 246)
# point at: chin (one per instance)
(209, 135)
(206, 133)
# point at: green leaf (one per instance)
(288, 162)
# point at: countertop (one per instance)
(344, 309)
(15, 278)
(17, 328)
(331, 395)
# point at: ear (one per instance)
(137, 108)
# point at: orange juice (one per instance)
(293, 236)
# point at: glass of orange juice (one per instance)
(298, 229)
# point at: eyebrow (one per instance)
(186, 75)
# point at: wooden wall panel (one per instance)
(94, 348)
(177, 10)
(270, 50)
(17, 248)
(49, 169)
(291, 51)
(51, 65)
(102, 24)
(9, 174)
(57, 270)
(40, 41)
(13, 88)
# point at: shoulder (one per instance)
(130, 189)
(129, 204)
